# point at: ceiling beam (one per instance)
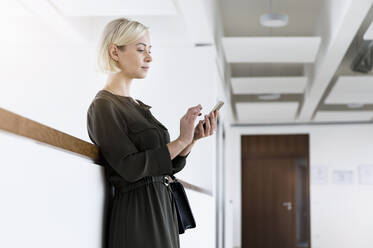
(348, 16)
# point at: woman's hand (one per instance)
(210, 123)
(187, 124)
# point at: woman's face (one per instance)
(134, 59)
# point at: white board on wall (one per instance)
(319, 175)
(343, 177)
(366, 174)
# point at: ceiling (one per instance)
(81, 22)
(304, 66)
(299, 73)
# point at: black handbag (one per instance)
(184, 212)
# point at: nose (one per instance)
(148, 57)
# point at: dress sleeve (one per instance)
(108, 130)
(178, 163)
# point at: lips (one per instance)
(145, 67)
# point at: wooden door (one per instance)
(270, 175)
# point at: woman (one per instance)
(136, 147)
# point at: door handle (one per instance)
(288, 205)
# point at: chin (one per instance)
(142, 75)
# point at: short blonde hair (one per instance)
(120, 32)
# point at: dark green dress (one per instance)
(133, 144)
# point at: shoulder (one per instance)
(100, 103)
(106, 107)
(102, 106)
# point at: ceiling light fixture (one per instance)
(269, 97)
(273, 20)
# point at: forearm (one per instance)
(175, 147)
(187, 149)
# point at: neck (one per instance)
(119, 84)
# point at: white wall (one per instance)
(341, 215)
(49, 198)
(54, 85)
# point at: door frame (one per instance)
(220, 185)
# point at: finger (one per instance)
(208, 126)
(213, 115)
(216, 117)
(192, 116)
(198, 107)
(195, 111)
(200, 128)
(213, 123)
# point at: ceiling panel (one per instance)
(266, 112)
(262, 85)
(343, 116)
(266, 69)
(351, 89)
(241, 17)
(271, 49)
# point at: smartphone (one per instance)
(217, 106)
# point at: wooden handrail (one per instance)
(21, 126)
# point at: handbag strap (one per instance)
(173, 177)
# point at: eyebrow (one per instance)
(142, 44)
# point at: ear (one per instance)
(113, 51)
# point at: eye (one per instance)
(140, 50)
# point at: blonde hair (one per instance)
(120, 32)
